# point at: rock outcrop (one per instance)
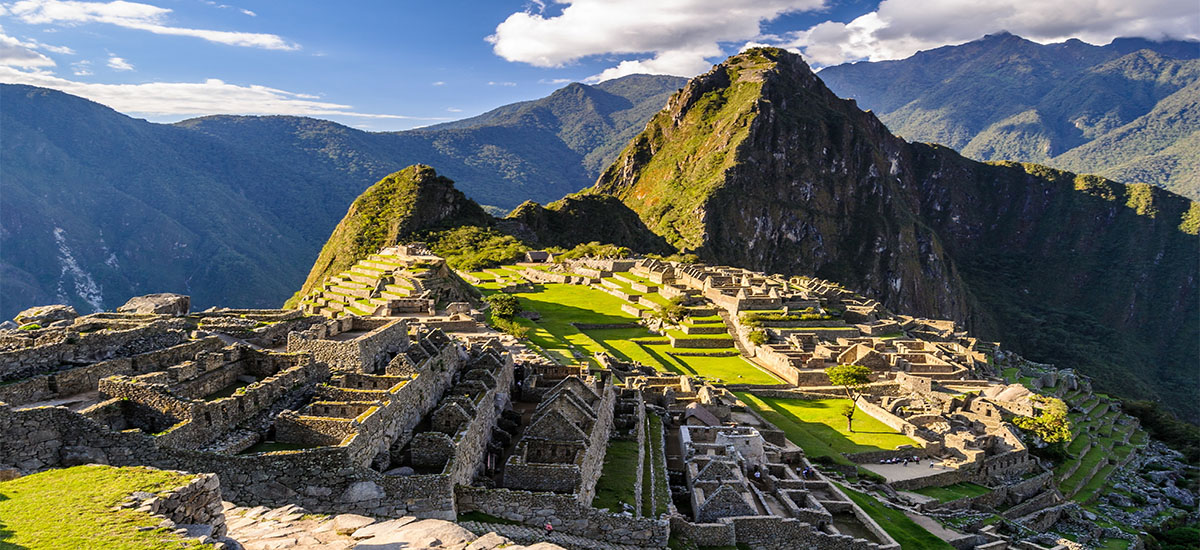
(44, 315)
(164, 303)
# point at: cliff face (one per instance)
(401, 204)
(758, 164)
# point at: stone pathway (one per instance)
(526, 535)
(291, 528)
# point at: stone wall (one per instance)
(197, 503)
(81, 348)
(565, 513)
(380, 341)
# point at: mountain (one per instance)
(398, 206)
(1127, 110)
(758, 164)
(96, 207)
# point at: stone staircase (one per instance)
(531, 535)
(365, 288)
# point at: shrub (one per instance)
(472, 248)
(30, 326)
(511, 327)
(593, 250)
(758, 337)
(504, 306)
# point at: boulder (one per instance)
(9, 325)
(77, 456)
(345, 524)
(163, 304)
(426, 533)
(362, 490)
(44, 315)
(489, 541)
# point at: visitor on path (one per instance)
(549, 528)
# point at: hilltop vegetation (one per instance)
(399, 206)
(1127, 110)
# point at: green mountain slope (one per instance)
(401, 204)
(232, 210)
(1007, 98)
(758, 164)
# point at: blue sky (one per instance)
(396, 65)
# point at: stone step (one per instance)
(369, 271)
(368, 280)
(357, 292)
(381, 266)
(531, 535)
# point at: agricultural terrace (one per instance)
(558, 306)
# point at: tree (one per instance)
(1052, 425)
(848, 412)
(504, 306)
(673, 311)
(850, 378)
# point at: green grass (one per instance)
(723, 370)
(71, 508)
(616, 483)
(794, 430)
(657, 457)
(899, 526)
(821, 425)
(954, 492)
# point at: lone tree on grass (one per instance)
(850, 378)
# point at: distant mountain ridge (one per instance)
(96, 206)
(1129, 110)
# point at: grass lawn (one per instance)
(657, 461)
(560, 305)
(724, 370)
(899, 526)
(793, 430)
(70, 508)
(616, 483)
(954, 492)
(821, 420)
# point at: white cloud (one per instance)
(119, 64)
(555, 81)
(17, 53)
(248, 12)
(133, 15)
(453, 110)
(900, 28)
(81, 68)
(678, 36)
(494, 83)
(439, 83)
(192, 98)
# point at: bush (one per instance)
(472, 248)
(511, 327)
(592, 250)
(504, 306)
(757, 337)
